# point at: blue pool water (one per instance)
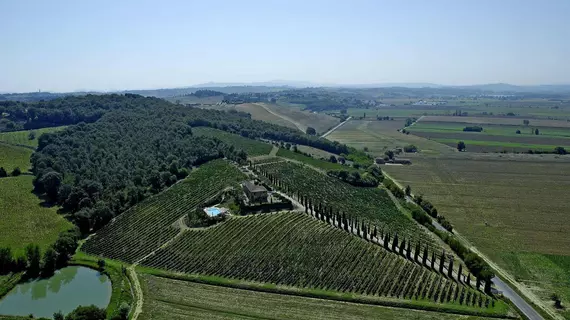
(213, 211)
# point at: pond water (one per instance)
(69, 288)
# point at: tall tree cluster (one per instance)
(136, 147)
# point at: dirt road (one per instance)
(333, 129)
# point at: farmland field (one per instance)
(494, 137)
(512, 208)
(250, 146)
(321, 122)
(14, 156)
(23, 219)
(379, 136)
(294, 249)
(22, 137)
(499, 120)
(259, 113)
(177, 299)
(148, 225)
(372, 205)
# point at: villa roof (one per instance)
(254, 187)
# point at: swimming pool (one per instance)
(213, 211)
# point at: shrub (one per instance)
(16, 172)
(473, 129)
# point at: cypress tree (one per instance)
(488, 286)
(386, 240)
(459, 273)
(433, 260)
(375, 234)
(478, 283)
(395, 242)
(402, 246)
(425, 256)
(450, 269)
(417, 251)
(441, 261)
(468, 279)
(409, 250)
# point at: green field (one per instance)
(177, 299)
(317, 163)
(23, 137)
(24, 220)
(293, 249)
(530, 108)
(512, 208)
(149, 224)
(494, 137)
(13, 156)
(492, 129)
(251, 147)
(523, 146)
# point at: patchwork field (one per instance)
(532, 109)
(23, 137)
(512, 121)
(14, 157)
(177, 299)
(23, 219)
(379, 136)
(251, 147)
(512, 208)
(494, 137)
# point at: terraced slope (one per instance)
(372, 205)
(293, 249)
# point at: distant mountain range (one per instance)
(279, 85)
(493, 87)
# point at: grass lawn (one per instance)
(178, 299)
(545, 274)
(13, 156)
(23, 220)
(22, 137)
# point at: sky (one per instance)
(135, 44)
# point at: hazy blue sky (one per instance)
(127, 44)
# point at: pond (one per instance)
(69, 288)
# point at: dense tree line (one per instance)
(34, 262)
(204, 93)
(370, 178)
(136, 148)
(68, 110)
(242, 124)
